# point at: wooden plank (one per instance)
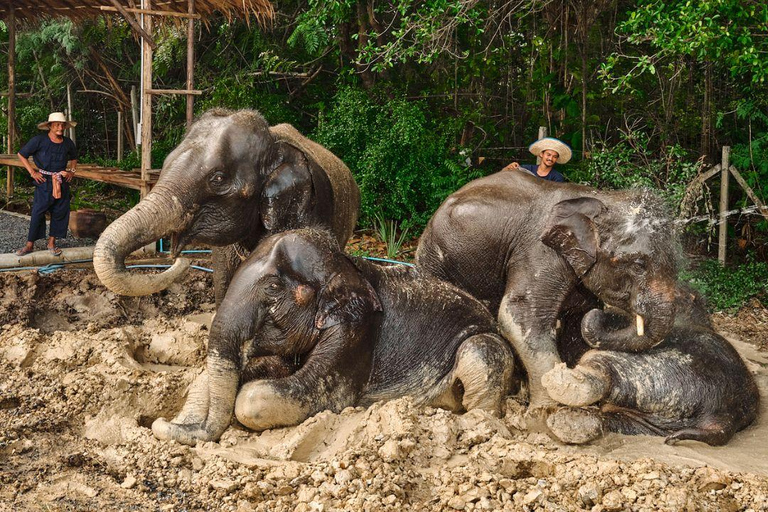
(723, 230)
(11, 25)
(750, 193)
(159, 92)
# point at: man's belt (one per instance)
(56, 178)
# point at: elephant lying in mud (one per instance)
(304, 328)
(693, 385)
(232, 181)
(530, 248)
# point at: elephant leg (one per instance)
(195, 408)
(537, 351)
(225, 261)
(575, 426)
(578, 387)
(262, 404)
(484, 367)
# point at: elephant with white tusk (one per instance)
(232, 181)
(527, 248)
(305, 328)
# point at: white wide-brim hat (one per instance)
(562, 149)
(56, 117)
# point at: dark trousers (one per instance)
(44, 202)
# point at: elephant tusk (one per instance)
(640, 325)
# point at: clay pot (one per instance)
(87, 223)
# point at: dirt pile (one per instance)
(84, 373)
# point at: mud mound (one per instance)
(77, 400)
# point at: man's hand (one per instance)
(511, 167)
(37, 176)
(68, 175)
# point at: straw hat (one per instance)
(562, 149)
(56, 117)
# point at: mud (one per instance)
(83, 374)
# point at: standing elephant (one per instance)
(693, 385)
(232, 181)
(530, 249)
(304, 328)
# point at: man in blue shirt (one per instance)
(55, 157)
(551, 151)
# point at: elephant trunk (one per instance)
(646, 328)
(154, 217)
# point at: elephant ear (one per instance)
(288, 194)
(345, 300)
(572, 233)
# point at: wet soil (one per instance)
(83, 373)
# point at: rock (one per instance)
(612, 501)
(129, 482)
(227, 486)
(709, 479)
(457, 503)
(589, 494)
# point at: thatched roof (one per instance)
(31, 10)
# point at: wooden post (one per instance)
(723, 205)
(71, 130)
(135, 116)
(119, 136)
(190, 62)
(11, 24)
(146, 102)
(542, 134)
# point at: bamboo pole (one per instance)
(722, 239)
(71, 129)
(542, 134)
(750, 193)
(190, 62)
(146, 103)
(11, 24)
(119, 136)
(135, 115)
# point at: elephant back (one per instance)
(346, 194)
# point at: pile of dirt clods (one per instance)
(83, 373)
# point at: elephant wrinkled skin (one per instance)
(530, 249)
(693, 385)
(304, 328)
(232, 181)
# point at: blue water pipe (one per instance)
(191, 251)
(371, 258)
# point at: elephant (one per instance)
(531, 249)
(305, 328)
(232, 181)
(691, 386)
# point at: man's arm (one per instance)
(70, 172)
(38, 177)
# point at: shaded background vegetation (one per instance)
(421, 96)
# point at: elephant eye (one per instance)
(217, 178)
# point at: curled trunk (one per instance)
(154, 217)
(606, 330)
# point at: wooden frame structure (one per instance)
(141, 21)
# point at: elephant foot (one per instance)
(575, 426)
(188, 434)
(536, 417)
(577, 387)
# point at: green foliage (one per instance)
(631, 164)
(387, 232)
(404, 161)
(729, 288)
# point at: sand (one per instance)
(83, 373)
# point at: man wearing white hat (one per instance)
(551, 151)
(56, 157)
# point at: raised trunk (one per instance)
(154, 217)
(616, 331)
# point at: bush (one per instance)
(729, 288)
(405, 162)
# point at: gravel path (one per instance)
(15, 227)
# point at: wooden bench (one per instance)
(112, 175)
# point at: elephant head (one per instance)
(626, 255)
(233, 179)
(297, 296)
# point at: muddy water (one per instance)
(84, 373)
